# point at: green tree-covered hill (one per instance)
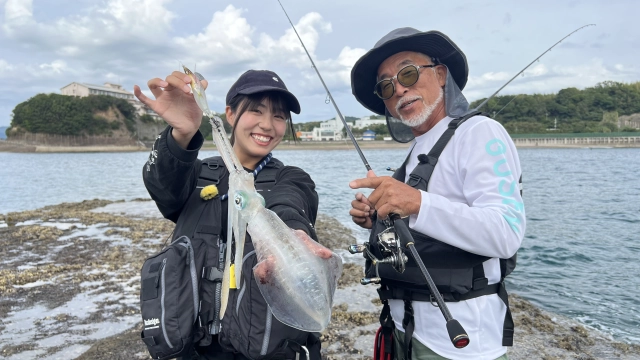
(594, 109)
(56, 114)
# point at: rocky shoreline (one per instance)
(301, 145)
(69, 287)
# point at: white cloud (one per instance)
(229, 46)
(115, 26)
(487, 78)
(542, 80)
(225, 40)
(17, 13)
(5, 67)
(537, 70)
(55, 67)
(48, 44)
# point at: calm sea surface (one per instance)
(580, 257)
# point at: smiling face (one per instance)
(259, 123)
(420, 105)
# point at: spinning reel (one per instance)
(390, 246)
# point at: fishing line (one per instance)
(526, 67)
(496, 114)
(330, 98)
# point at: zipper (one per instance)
(162, 286)
(215, 326)
(194, 278)
(267, 333)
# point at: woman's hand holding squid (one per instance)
(264, 269)
(175, 104)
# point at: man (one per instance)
(458, 191)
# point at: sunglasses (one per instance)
(407, 76)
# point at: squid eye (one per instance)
(239, 200)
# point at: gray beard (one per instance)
(420, 118)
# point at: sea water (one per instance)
(579, 257)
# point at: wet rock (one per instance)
(70, 251)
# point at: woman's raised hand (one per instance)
(175, 104)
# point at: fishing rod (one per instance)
(344, 122)
(526, 67)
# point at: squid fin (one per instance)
(226, 276)
(240, 232)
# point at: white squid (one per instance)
(296, 276)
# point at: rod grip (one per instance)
(458, 336)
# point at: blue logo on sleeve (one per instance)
(506, 189)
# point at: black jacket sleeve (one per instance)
(296, 202)
(171, 173)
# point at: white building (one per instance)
(115, 90)
(629, 121)
(82, 90)
(330, 130)
(367, 121)
(305, 135)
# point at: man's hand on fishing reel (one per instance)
(175, 104)
(361, 209)
(389, 196)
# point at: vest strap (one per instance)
(420, 176)
(479, 280)
(150, 340)
(211, 171)
(409, 326)
(424, 295)
(386, 327)
(508, 327)
(266, 178)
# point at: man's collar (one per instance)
(438, 129)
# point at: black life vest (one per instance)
(458, 274)
(202, 220)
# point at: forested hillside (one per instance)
(594, 109)
(56, 114)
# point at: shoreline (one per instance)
(69, 288)
(306, 145)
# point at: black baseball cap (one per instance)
(255, 81)
(432, 43)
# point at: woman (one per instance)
(258, 106)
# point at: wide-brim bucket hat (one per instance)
(431, 43)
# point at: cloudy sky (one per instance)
(47, 44)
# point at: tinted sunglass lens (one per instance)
(384, 89)
(408, 76)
